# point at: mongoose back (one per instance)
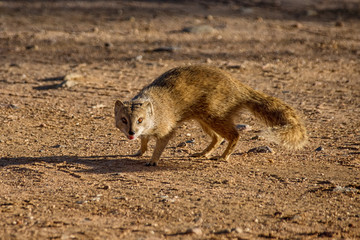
(211, 97)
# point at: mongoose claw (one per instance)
(149, 164)
(137, 154)
(219, 158)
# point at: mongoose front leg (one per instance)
(159, 148)
(143, 147)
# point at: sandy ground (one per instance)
(66, 171)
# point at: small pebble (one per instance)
(108, 45)
(261, 149)
(139, 58)
(13, 106)
(223, 231)
(339, 24)
(163, 49)
(199, 29)
(14, 65)
(58, 146)
(131, 19)
(237, 230)
(196, 231)
(311, 12)
(210, 17)
(319, 149)
(297, 25)
(243, 127)
(71, 80)
(30, 47)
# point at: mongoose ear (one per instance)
(118, 105)
(149, 106)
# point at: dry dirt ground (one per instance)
(66, 171)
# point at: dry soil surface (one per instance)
(67, 173)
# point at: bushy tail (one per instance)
(285, 126)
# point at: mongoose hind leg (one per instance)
(215, 143)
(143, 148)
(229, 132)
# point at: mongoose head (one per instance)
(133, 118)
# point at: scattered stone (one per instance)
(277, 214)
(31, 47)
(311, 12)
(14, 65)
(190, 141)
(269, 67)
(209, 17)
(200, 29)
(224, 231)
(105, 187)
(243, 127)
(68, 84)
(261, 149)
(345, 189)
(319, 149)
(247, 11)
(297, 25)
(73, 77)
(71, 80)
(196, 231)
(139, 58)
(121, 198)
(339, 24)
(12, 106)
(163, 49)
(131, 19)
(96, 199)
(108, 45)
(58, 146)
(237, 230)
(99, 106)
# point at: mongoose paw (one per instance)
(219, 158)
(138, 154)
(149, 164)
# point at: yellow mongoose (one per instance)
(211, 97)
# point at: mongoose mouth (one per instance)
(131, 137)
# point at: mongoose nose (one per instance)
(131, 132)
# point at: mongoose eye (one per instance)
(124, 120)
(140, 120)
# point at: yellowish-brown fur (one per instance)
(211, 97)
